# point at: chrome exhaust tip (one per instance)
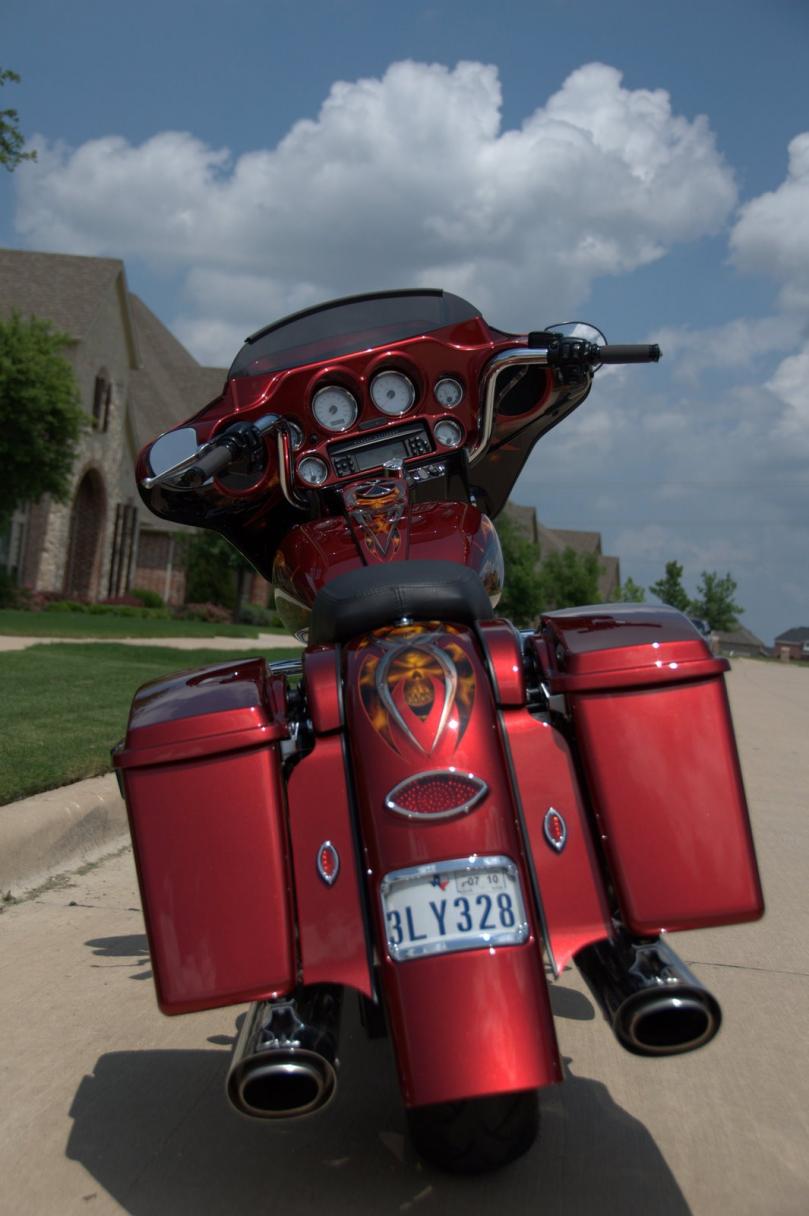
(654, 1005)
(282, 1085)
(667, 1025)
(285, 1059)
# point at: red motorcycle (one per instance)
(427, 807)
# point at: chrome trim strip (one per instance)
(520, 356)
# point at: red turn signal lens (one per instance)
(436, 795)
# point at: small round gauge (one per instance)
(313, 470)
(392, 393)
(448, 392)
(448, 433)
(295, 435)
(334, 407)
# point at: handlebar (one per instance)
(638, 353)
(217, 458)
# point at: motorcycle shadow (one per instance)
(155, 1130)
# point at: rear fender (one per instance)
(465, 1022)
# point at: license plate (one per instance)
(453, 905)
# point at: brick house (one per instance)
(556, 540)
(135, 380)
(793, 644)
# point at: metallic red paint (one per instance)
(570, 883)
(203, 789)
(322, 679)
(331, 924)
(313, 553)
(649, 711)
(442, 1007)
(503, 653)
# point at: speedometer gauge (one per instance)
(392, 393)
(334, 407)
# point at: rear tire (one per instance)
(476, 1134)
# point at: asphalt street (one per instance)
(107, 1106)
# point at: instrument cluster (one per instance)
(336, 408)
(336, 405)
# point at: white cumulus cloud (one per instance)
(771, 235)
(405, 179)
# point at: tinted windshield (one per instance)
(343, 326)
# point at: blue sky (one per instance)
(532, 179)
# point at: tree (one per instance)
(569, 579)
(215, 571)
(630, 593)
(521, 600)
(41, 417)
(715, 602)
(669, 589)
(11, 138)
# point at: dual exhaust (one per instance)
(652, 1002)
(285, 1058)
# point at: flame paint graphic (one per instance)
(416, 681)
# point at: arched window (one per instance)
(102, 398)
(87, 519)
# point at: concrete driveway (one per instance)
(109, 1107)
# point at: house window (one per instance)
(102, 399)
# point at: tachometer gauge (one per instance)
(334, 407)
(392, 393)
(448, 392)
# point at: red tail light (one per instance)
(439, 794)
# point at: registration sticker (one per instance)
(446, 906)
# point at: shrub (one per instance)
(149, 599)
(262, 618)
(214, 613)
(119, 606)
(9, 591)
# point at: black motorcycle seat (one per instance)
(362, 600)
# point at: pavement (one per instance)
(110, 1107)
(264, 641)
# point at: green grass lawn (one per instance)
(62, 707)
(106, 625)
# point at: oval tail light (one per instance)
(439, 794)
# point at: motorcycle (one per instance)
(428, 807)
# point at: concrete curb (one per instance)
(58, 830)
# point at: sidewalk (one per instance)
(264, 641)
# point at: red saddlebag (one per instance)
(649, 709)
(201, 772)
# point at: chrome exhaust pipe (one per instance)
(285, 1059)
(652, 1002)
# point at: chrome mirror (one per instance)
(578, 329)
(172, 449)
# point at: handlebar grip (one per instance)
(635, 353)
(213, 462)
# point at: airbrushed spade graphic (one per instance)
(375, 509)
(417, 686)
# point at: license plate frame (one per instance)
(407, 909)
